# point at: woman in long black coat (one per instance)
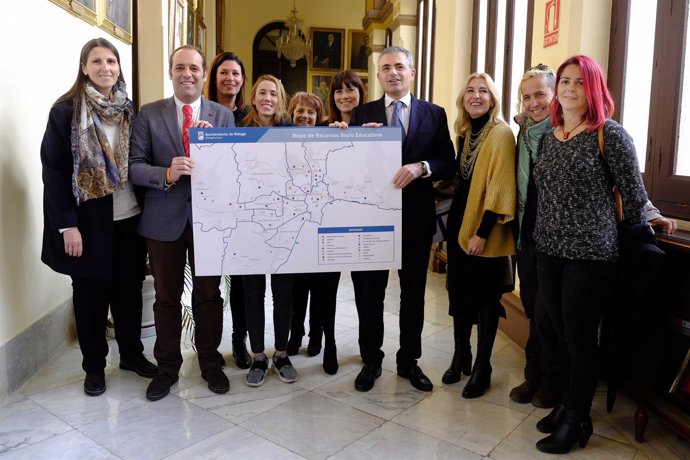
(91, 212)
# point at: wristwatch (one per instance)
(425, 170)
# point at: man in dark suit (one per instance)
(329, 53)
(159, 160)
(427, 154)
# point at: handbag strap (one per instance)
(618, 199)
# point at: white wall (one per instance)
(40, 60)
(453, 54)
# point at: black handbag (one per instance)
(639, 252)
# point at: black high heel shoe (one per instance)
(551, 422)
(574, 429)
(479, 382)
(458, 365)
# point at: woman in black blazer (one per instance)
(91, 212)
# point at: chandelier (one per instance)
(291, 43)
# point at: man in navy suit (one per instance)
(427, 154)
(159, 161)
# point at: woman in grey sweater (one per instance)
(576, 234)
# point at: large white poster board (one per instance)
(295, 200)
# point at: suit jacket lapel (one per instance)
(380, 114)
(170, 120)
(415, 118)
(207, 113)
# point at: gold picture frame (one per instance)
(365, 80)
(328, 49)
(190, 29)
(200, 34)
(84, 9)
(319, 84)
(358, 50)
(176, 23)
(117, 19)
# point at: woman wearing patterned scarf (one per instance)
(91, 212)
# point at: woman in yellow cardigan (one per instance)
(479, 238)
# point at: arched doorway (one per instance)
(266, 60)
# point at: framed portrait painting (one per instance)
(84, 9)
(201, 34)
(176, 22)
(365, 80)
(191, 24)
(327, 51)
(117, 18)
(319, 84)
(358, 50)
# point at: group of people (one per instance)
(117, 185)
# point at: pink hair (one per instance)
(600, 105)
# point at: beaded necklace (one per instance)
(470, 150)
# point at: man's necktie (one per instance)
(186, 124)
(396, 119)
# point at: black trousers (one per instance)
(541, 366)
(324, 290)
(254, 293)
(575, 292)
(370, 292)
(168, 260)
(122, 293)
(304, 284)
(237, 309)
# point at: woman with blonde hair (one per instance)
(268, 103)
(268, 109)
(479, 241)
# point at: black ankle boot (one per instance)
(239, 352)
(330, 358)
(460, 364)
(479, 382)
(294, 344)
(551, 422)
(314, 346)
(576, 428)
(486, 334)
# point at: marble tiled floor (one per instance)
(319, 416)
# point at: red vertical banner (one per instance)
(552, 14)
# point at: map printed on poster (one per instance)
(295, 200)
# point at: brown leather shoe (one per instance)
(545, 397)
(523, 393)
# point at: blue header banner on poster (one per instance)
(292, 134)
